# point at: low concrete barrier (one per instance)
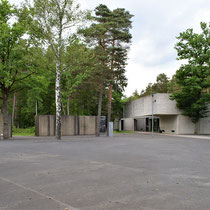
(71, 125)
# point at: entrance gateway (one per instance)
(145, 124)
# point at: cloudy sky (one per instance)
(156, 24)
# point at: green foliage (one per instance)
(193, 77)
(15, 52)
(161, 86)
(28, 53)
(117, 105)
(110, 37)
(135, 95)
(173, 86)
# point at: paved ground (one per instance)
(129, 172)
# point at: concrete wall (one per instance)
(128, 124)
(169, 124)
(2, 124)
(143, 106)
(87, 125)
(45, 125)
(204, 125)
(185, 125)
(165, 106)
(71, 125)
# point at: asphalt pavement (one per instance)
(124, 172)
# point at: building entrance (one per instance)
(156, 125)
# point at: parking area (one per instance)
(124, 172)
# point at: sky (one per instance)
(156, 24)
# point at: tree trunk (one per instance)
(36, 107)
(196, 128)
(99, 112)
(109, 108)
(68, 104)
(5, 114)
(13, 108)
(58, 98)
(110, 89)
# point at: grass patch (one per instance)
(23, 131)
(124, 132)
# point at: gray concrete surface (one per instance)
(124, 172)
(171, 119)
(71, 125)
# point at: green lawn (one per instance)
(23, 131)
(124, 132)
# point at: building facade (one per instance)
(167, 118)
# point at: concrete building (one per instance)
(137, 116)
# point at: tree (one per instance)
(194, 77)
(79, 61)
(110, 30)
(55, 18)
(16, 60)
(135, 95)
(173, 86)
(160, 86)
(37, 91)
(119, 40)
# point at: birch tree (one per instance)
(57, 19)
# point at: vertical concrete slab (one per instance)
(185, 125)
(204, 126)
(81, 125)
(90, 125)
(68, 126)
(129, 124)
(43, 125)
(87, 125)
(51, 126)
